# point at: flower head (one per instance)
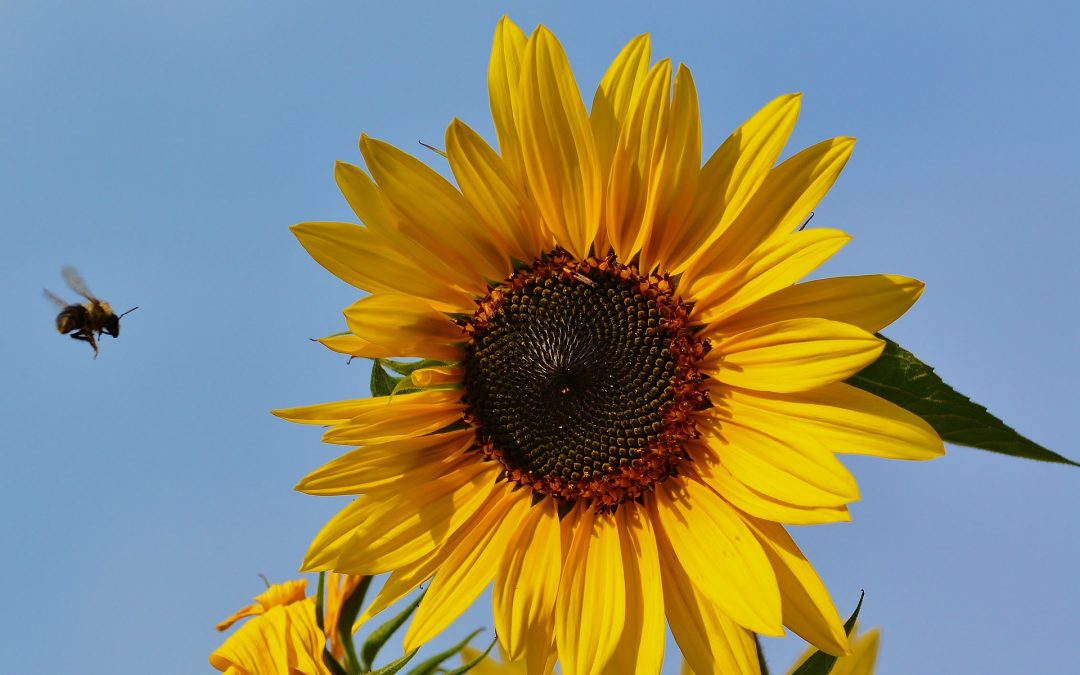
(627, 394)
(284, 636)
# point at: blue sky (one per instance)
(164, 148)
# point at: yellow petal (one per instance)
(364, 197)
(436, 376)
(486, 666)
(610, 110)
(384, 465)
(526, 581)
(637, 164)
(406, 578)
(370, 205)
(863, 658)
(392, 418)
(287, 639)
(722, 291)
(612, 99)
(719, 553)
(792, 355)
(277, 594)
(710, 641)
(561, 166)
(377, 534)
(504, 73)
(322, 413)
(366, 260)
(591, 608)
(349, 344)
(712, 472)
(405, 325)
(870, 302)
(493, 192)
(844, 418)
(641, 647)
(437, 217)
(801, 472)
(808, 609)
(733, 174)
(341, 412)
(470, 566)
(677, 184)
(784, 200)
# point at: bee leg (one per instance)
(86, 336)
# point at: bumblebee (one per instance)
(83, 321)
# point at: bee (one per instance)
(92, 316)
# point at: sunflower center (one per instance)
(581, 379)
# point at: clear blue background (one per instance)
(164, 148)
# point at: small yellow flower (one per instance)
(274, 596)
(281, 639)
(284, 633)
(636, 395)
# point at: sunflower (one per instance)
(626, 393)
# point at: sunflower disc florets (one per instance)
(581, 378)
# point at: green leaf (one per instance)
(332, 664)
(431, 665)
(404, 386)
(821, 663)
(898, 376)
(396, 665)
(475, 662)
(349, 610)
(382, 382)
(319, 595)
(849, 625)
(380, 635)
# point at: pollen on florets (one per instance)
(581, 379)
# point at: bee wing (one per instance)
(76, 282)
(51, 296)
